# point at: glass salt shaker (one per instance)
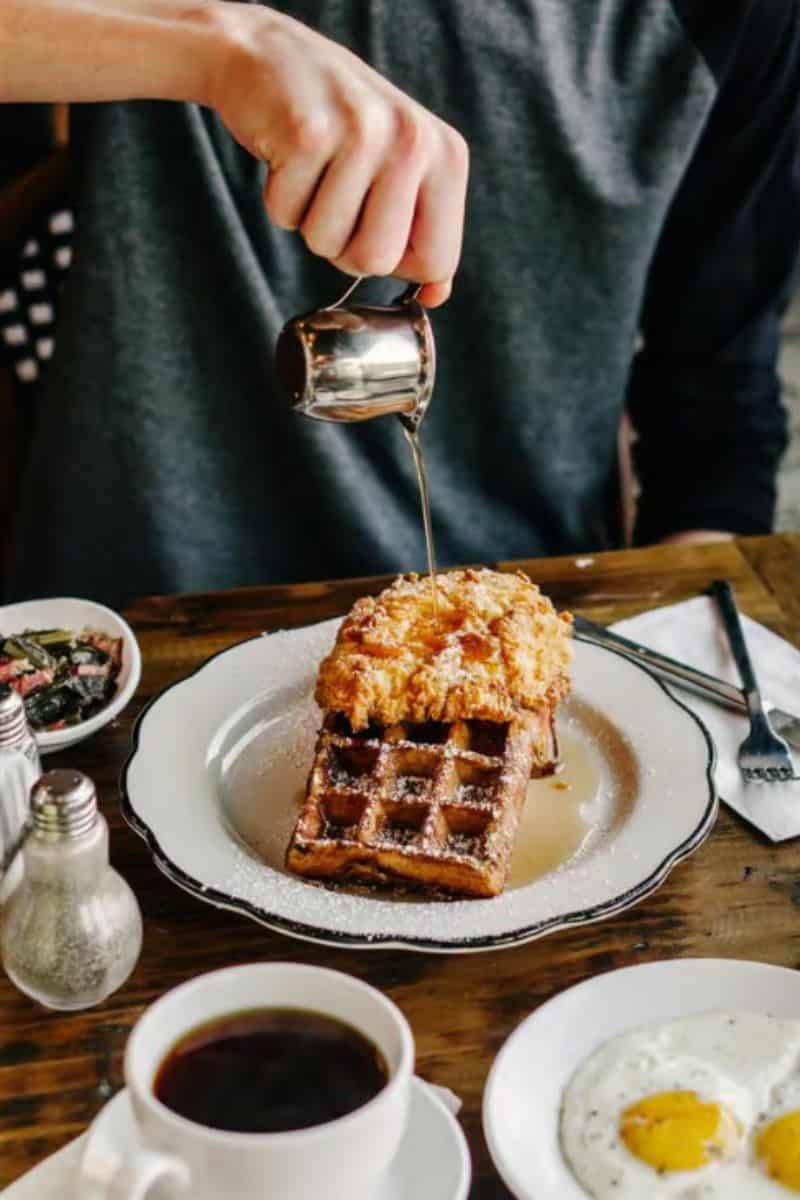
(19, 768)
(72, 931)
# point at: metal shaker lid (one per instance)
(63, 804)
(13, 722)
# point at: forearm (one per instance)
(697, 537)
(710, 440)
(85, 50)
(373, 182)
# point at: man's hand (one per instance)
(696, 537)
(373, 182)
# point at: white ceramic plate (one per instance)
(220, 759)
(69, 613)
(522, 1099)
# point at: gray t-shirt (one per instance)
(603, 201)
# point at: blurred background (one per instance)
(36, 231)
(789, 479)
(34, 197)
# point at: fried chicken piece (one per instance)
(498, 646)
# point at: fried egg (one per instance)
(777, 1137)
(703, 1108)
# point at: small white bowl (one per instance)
(69, 613)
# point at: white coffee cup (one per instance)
(343, 1159)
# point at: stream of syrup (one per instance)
(412, 436)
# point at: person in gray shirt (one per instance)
(632, 216)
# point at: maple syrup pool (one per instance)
(565, 816)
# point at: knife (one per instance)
(684, 676)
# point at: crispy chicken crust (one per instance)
(499, 646)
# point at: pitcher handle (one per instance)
(351, 287)
(410, 294)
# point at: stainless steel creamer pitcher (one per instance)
(352, 362)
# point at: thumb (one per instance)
(434, 294)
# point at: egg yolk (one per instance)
(677, 1131)
(778, 1146)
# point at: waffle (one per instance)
(432, 804)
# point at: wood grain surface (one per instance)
(738, 896)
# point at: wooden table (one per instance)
(737, 897)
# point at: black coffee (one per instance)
(269, 1070)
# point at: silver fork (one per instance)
(763, 756)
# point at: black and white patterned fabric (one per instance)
(29, 295)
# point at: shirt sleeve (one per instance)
(704, 394)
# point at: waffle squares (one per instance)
(432, 805)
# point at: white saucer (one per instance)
(522, 1098)
(433, 1162)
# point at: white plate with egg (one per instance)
(677, 1080)
(220, 760)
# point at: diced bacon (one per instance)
(92, 669)
(32, 680)
(62, 724)
(104, 641)
(9, 669)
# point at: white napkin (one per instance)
(693, 633)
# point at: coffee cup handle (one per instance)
(134, 1180)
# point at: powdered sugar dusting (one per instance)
(265, 781)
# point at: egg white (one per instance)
(734, 1059)
(785, 1095)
